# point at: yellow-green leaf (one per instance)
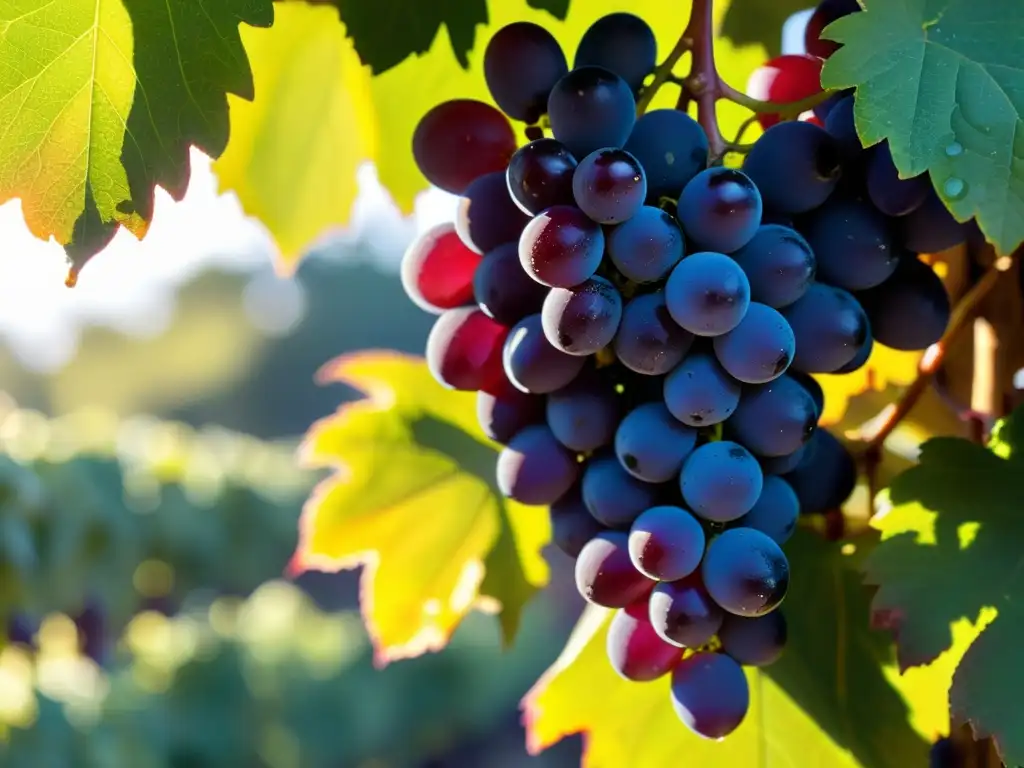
(828, 702)
(66, 88)
(413, 500)
(320, 113)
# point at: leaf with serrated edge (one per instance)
(101, 100)
(413, 499)
(66, 88)
(825, 702)
(301, 189)
(950, 553)
(944, 83)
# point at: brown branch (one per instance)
(663, 72)
(875, 432)
(704, 85)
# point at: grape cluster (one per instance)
(641, 329)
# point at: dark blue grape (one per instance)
(666, 543)
(780, 465)
(591, 108)
(672, 148)
(710, 694)
(605, 575)
(812, 386)
(561, 247)
(522, 63)
(720, 209)
(721, 481)
(825, 477)
(621, 43)
(745, 572)
(645, 248)
(931, 228)
(774, 419)
(583, 319)
(584, 415)
(502, 288)
(534, 468)
(756, 642)
(795, 165)
(892, 195)
(609, 186)
(652, 445)
(682, 612)
(572, 525)
(911, 310)
(539, 175)
(852, 243)
(863, 354)
(707, 294)
(614, 497)
(532, 364)
(776, 511)
(505, 413)
(760, 348)
(840, 126)
(830, 327)
(779, 264)
(649, 341)
(487, 216)
(635, 650)
(699, 392)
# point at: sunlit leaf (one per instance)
(413, 499)
(950, 563)
(826, 702)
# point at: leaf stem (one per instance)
(663, 73)
(875, 432)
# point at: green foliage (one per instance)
(84, 505)
(827, 701)
(270, 680)
(951, 552)
(759, 23)
(943, 83)
(414, 499)
(101, 101)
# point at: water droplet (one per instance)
(954, 188)
(955, 148)
(72, 277)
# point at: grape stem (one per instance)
(705, 86)
(875, 432)
(663, 73)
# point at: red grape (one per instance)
(784, 79)
(605, 575)
(635, 650)
(438, 270)
(464, 350)
(460, 140)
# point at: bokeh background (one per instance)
(167, 350)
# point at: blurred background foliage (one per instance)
(149, 498)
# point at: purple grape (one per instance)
(646, 247)
(666, 543)
(759, 349)
(721, 481)
(572, 525)
(652, 445)
(609, 186)
(682, 612)
(534, 468)
(720, 209)
(635, 650)
(776, 511)
(584, 414)
(649, 341)
(561, 247)
(540, 174)
(710, 694)
(613, 496)
(487, 216)
(503, 289)
(583, 319)
(605, 575)
(745, 572)
(707, 294)
(532, 364)
(699, 392)
(756, 642)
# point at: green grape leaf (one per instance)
(943, 82)
(413, 499)
(388, 32)
(761, 23)
(950, 553)
(100, 101)
(827, 701)
(557, 8)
